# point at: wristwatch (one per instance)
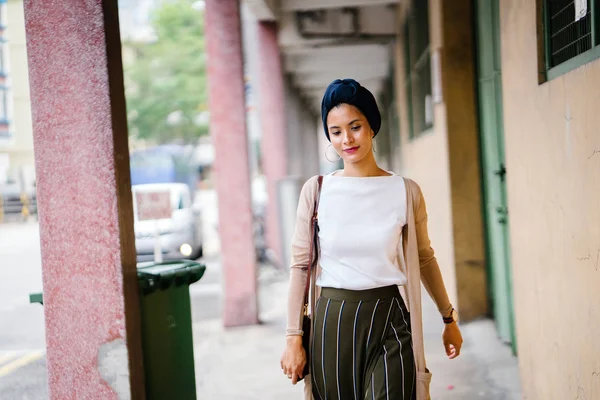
(453, 317)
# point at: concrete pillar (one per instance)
(228, 128)
(273, 123)
(84, 194)
(293, 132)
(458, 63)
(302, 138)
(310, 140)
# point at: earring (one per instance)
(339, 157)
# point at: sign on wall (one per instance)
(580, 9)
(153, 205)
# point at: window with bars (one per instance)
(418, 69)
(570, 34)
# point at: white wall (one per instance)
(20, 149)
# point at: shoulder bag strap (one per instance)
(313, 250)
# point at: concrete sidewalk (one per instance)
(243, 363)
(485, 369)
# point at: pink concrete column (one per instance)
(228, 128)
(273, 124)
(86, 224)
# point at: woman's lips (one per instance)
(351, 150)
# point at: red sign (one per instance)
(153, 205)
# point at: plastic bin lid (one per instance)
(163, 275)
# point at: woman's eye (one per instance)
(355, 128)
(335, 133)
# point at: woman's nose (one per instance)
(348, 137)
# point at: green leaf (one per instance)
(168, 76)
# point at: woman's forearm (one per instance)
(300, 259)
(431, 275)
(296, 301)
(433, 281)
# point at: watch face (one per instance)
(455, 315)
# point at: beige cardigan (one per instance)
(418, 256)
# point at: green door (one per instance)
(493, 166)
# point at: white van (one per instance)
(180, 235)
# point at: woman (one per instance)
(372, 231)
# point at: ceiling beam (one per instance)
(335, 50)
(340, 66)
(315, 83)
(360, 73)
(343, 59)
(374, 85)
(352, 55)
(305, 5)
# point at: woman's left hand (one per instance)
(452, 340)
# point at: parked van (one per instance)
(180, 235)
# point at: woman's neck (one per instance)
(362, 169)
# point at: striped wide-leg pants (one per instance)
(361, 347)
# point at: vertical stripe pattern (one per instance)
(401, 358)
(371, 326)
(323, 347)
(312, 350)
(387, 388)
(362, 346)
(354, 351)
(373, 385)
(337, 367)
(409, 333)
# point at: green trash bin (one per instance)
(167, 340)
(167, 329)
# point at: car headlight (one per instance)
(186, 250)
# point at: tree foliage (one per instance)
(166, 79)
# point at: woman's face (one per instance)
(350, 133)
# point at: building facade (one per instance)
(17, 165)
(5, 132)
(509, 160)
(550, 78)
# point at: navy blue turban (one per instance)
(349, 91)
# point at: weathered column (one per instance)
(459, 77)
(273, 124)
(86, 225)
(228, 128)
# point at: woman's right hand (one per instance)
(293, 359)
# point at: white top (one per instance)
(360, 231)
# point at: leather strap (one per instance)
(313, 249)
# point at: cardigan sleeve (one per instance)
(299, 258)
(431, 275)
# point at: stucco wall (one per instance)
(553, 174)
